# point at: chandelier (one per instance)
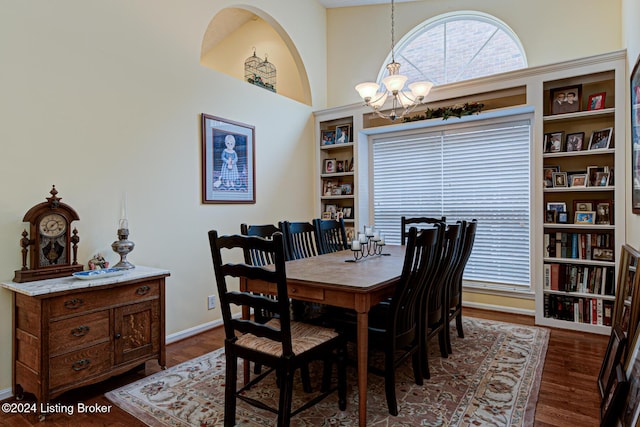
(404, 100)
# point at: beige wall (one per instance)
(100, 98)
(551, 31)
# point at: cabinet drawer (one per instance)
(73, 368)
(90, 300)
(78, 332)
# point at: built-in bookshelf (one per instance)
(583, 227)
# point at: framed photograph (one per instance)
(340, 166)
(579, 180)
(548, 175)
(596, 101)
(565, 99)
(336, 191)
(553, 142)
(583, 205)
(585, 217)
(575, 141)
(604, 212)
(328, 137)
(557, 206)
(326, 215)
(635, 138)
(329, 166)
(343, 134)
(550, 216)
(351, 165)
(600, 139)
(351, 233)
(631, 407)
(562, 218)
(560, 179)
(327, 186)
(228, 161)
(612, 357)
(348, 212)
(614, 397)
(347, 189)
(602, 254)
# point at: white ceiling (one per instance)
(347, 3)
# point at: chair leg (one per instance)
(342, 377)
(231, 381)
(442, 342)
(390, 382)
(459, 324)
(417, 367)
(447, 334)
(306, 378)
(286, 394)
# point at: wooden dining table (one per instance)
(330, 279)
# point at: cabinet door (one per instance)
(136, 331)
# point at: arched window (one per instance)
(458, 46)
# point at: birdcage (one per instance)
(260, 72)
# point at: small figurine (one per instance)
(98, 262)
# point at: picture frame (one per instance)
(548, 175)
(550, 216)
(574, 141)
(596, 101)
(595, 175)
(604, 212)
(557, 206)
(560, 180)
(578, 180)
(601, 254)
(553, 142)
(601, 139)
(612, 357)
(329, 166)
(562, 217)
(351, 165)
(327, 186)
(336, 191)
(635, 137)
(583, 205)
(630, 413)
(228, 161)
(614, 397)
(585, 217)
(347, 189)
(343, 134)
(327, 137)
(340, 166)
(627, 304)
(348, 212)
(326, 215)
(565, 99)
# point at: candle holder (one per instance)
(123, 246)
(369, 243)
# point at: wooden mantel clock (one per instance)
(51, 245)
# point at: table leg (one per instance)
(363, 352)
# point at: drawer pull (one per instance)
(81, 364)
(143, 290)
(294, 290)
(118, 336)
(72, 304)
(80, 331)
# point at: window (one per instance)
(458, 46)
(463, 171)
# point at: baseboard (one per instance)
(500, 308)
(178, 336)
(7, 393)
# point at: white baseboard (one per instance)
(6, 393)
(192, 331)
(501, 308)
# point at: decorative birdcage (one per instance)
(260, 72)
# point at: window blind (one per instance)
(480, 171)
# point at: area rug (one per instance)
(491, 379)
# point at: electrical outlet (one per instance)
(211, 302)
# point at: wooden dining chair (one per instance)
(454, 285)
(408, 221)
(300, 238)
(331, 235)
(434, 307)
(281, 344)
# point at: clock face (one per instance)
(52, 225)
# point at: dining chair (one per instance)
(434, 307)
(407, 221)
(331, 235)
(300, 238)
(394, 324)
(281, 344)
(454, 286)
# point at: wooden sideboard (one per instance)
(70, 333)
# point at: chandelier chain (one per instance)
(393, 42)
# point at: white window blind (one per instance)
(479, 171)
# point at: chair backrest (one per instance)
(419, 260)
(254, 256)
(435, 293)
(300, 238)
(405, 221)
(275, 274)
(331, 235)
(468, 235)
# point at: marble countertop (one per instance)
(49, 286)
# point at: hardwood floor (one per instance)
(568, 391)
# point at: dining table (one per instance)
(338, 280)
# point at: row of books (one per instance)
(594, 311)
(592, 279)
(575, 245)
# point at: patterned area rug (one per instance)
(491, 379)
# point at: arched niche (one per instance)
(232, 36)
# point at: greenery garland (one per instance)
(445, 112)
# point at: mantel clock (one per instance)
(50, 244)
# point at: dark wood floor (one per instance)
(568, 392)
